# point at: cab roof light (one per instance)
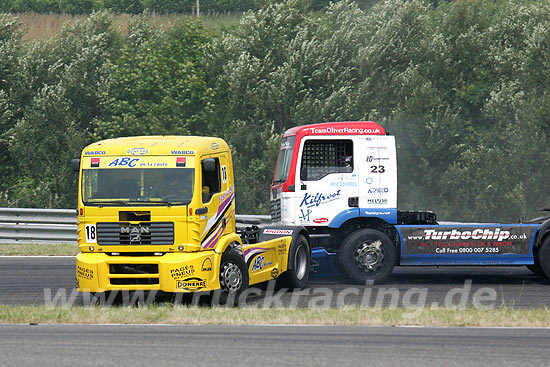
(180, 161)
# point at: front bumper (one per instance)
(172, 272)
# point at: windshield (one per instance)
(151, 186)
(284, 159)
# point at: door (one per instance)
(326, 180)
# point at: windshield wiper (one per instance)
(101, 203)
(168, 203)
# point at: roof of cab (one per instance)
(338, 128)
(156, 145)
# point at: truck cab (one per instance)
(329, 173)
(158, 213)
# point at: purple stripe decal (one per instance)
(218, 236)
(213, 237)
(225, 203)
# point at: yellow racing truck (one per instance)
(157, 213)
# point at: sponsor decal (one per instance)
(226, 194)
(378, 190)
(319, 198)
(304, 216)
(371, 158)
(343, 183)
(274, 273)
(281, 249)
(468, 240)
(84, 273)
(278, 231)
(154, 164)
(206, 265)
(124, 162)
(182, 272)
(191, 284)
(95, 152)
(248, 253)
(377, 201)
(258, 263)
(183, 152)
(137, 151)
(320, 220)
(377, 147)
(214, 146)
(369, 180)
(344, 130)
(368, 212)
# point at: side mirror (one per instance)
(209, 165)
(75, 164)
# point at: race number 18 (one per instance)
(91, 234)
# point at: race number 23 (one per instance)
(91, 233)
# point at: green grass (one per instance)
(503, 317)
(27, 249)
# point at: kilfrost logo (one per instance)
(311, 200)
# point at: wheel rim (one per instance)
(231, 277)
(369, 256)
(300, 262)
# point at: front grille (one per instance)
(133, 268)
(144, 233)
(134, 281)
(276, 210)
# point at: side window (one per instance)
(323, 157)
(211, 183)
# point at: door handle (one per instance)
(200, 211)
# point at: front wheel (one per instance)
(233, 277)
(299, 263)
(367, 254)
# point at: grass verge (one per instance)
(36, 249)
(503, 317)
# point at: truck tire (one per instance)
(233, 277)
(299, 264)
(535, 269)
(367, 254)
(543, 256)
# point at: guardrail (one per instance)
(22, 225)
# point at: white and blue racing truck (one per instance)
(339, 180)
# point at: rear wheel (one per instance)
(543, 256)
(535, 268)
(299, 264)
(367, 254)
(233, 277)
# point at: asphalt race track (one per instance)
(34, 280)
(264, 345)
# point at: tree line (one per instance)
(464, 87)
